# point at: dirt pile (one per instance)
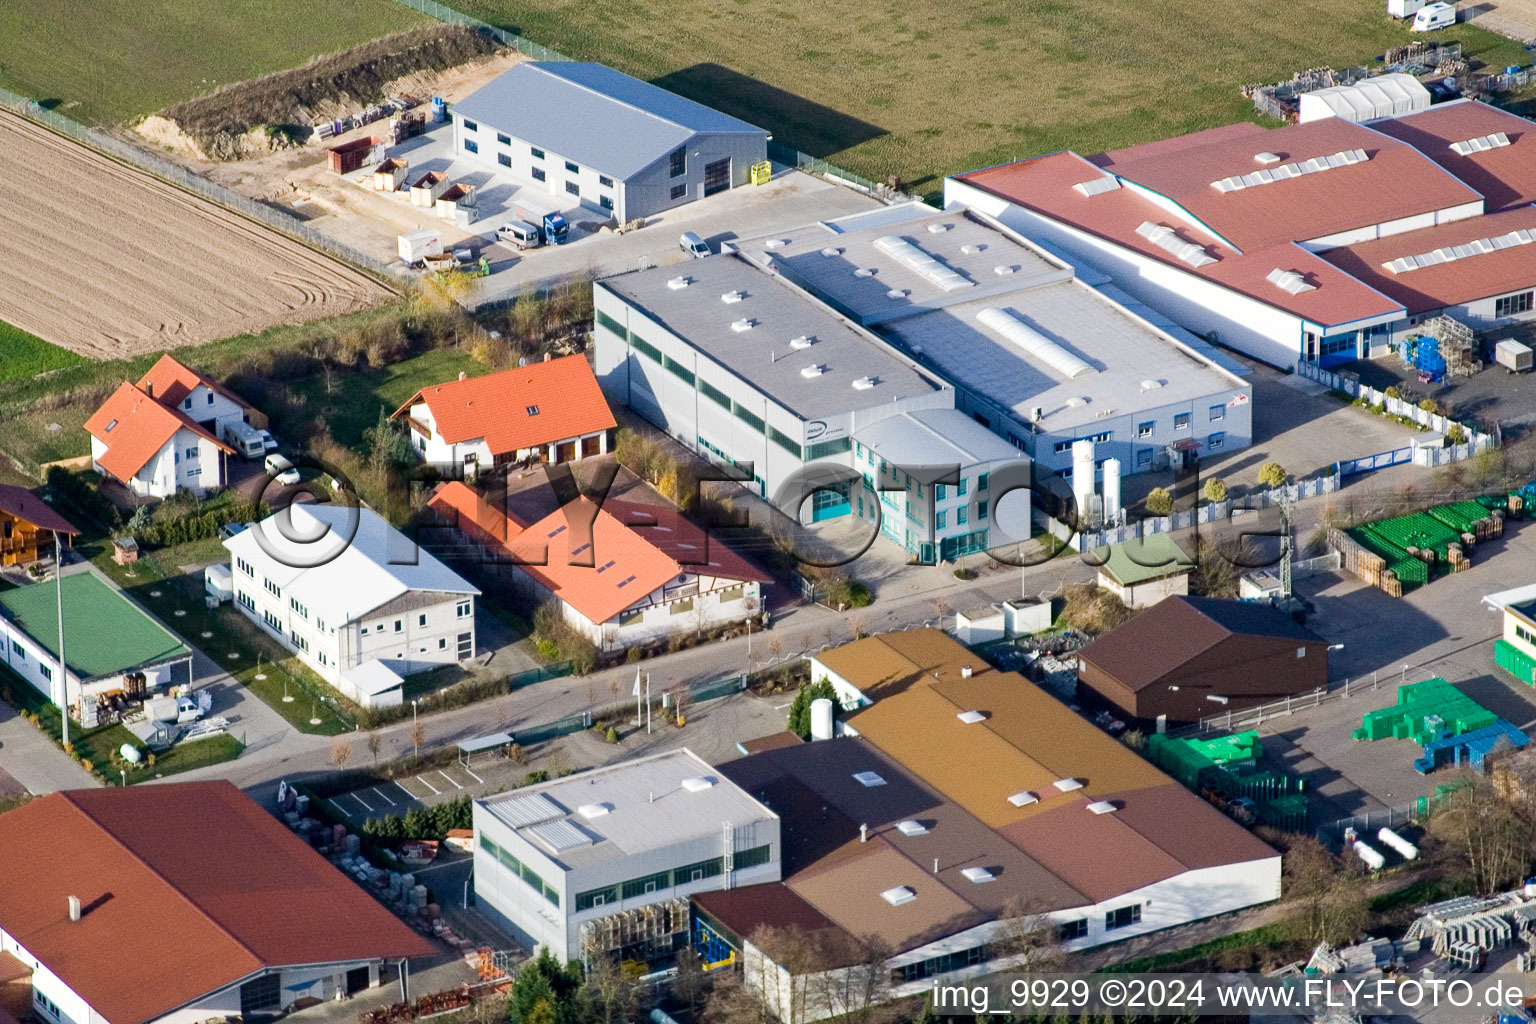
(263, 115)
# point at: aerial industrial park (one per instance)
(511, 513)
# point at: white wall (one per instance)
(657, 617)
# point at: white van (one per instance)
(281, 470)
(693, 245)
(1441, 15)
(521, 234)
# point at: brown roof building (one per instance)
(239, 915)
(963, 797)
(1190, 657)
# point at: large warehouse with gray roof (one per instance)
(618, 145)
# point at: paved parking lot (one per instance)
(401, 795)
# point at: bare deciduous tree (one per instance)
(1331, 901)
(375, 743)
(1489, 836)
(341, 752)
(1027, 939)
(418, 737)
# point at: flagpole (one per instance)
(638, 716)
(647, 703)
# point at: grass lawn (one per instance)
(239, 647)
(105, 61)
(924, 88)
(99, 745)
(356, 396)
(25, 355)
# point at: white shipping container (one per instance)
(418, 245)
(1512, 355)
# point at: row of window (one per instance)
(520, 870)
(975, 955)
(20, 653)
(1513, 305)
(505, 160)
(684, 875)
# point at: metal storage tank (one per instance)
(821, 719)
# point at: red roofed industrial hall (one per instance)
(231, 917)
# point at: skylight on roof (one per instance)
(1167, 239)
(678, 283)
(110, 426)
(732, 297)
(533, 410)
(698, 783)
(978, 876)
(1033, 342)
(1097, 186)
(1289, 281)
(1068, 785)
(863, 383)
(1313, 165)
(597, 810)
(814, 370)
(911, 828)
(1266, 157)
(1449, 254)
(898, 896)
(744, 324)
(802, 342)
(922, 264)
(868, 779)
(1102, 807)
(1023, 799)
(971, 717)
(626, 581)
(1481, 144)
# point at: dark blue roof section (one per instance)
(594, 115)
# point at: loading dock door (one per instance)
(717, 176)
(357, 980)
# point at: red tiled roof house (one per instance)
(552, 411)
(623, 574)
(166, 432)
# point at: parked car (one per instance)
(282, 470)
(521, 234)
(228, 530)
(693, 245)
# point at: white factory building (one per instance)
(342, 588)
(591, 135)
(565, 864)
(885, 342)
(1324, 241)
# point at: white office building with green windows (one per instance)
(559, 864)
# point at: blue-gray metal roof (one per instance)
(594, 115)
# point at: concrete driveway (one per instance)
(31, 758)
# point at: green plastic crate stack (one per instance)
(1185, 759)
(1286, 813)
(1459, 516)
(1422, 709)
(1514, 661)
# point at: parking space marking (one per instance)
(450, 779)
(382, 795)
(404, 790)
(429, 785)
(472, 775)
(340, 809)
(365, 805)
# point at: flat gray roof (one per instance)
(934, 437)
(763, 355)
(932, 314)
(632, 806)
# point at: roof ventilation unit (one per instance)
(921, 263)
(804, 341)
(1266, 157)
(1023, 799)
(868, 779)
(1068, 785)
(1033, 342)
(977, 876)
(832, 250)
(678, 283)
(1102, 807)
(1005, 270)
(1481, 144)
(1077, 402)
(911, 828)
(864, 272)
(814, 370)
(744, 324)
(775, 243)
(1167, 239)
(730, 297)
(899, 895)
(590, 811)
(1289, 281)
(698, 783)
(897, 293)
(1151, 385)
(971, 717)
(863, 383)
(1097, 186)
(973, 248)
(938, 229)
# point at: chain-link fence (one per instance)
(173, 173)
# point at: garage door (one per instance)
(590, 446)
(717, 176)
(565, 451)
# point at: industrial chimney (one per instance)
(74, 908)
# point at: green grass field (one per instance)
(106, 61)
(357, 395)
(924, 88)
(26, 355)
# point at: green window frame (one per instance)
(824, 449)
(609, 324)
(784, 441)
(645, 348)
(705, 868)
(714, 394)
(637, 886)
(751, 858)
(678, 369)
(981, 481)
(596, 898)
(748, 417)
(981, 509)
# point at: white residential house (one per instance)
(342, 588)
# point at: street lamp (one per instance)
(414, 743)
(1335, 647)
(124, 773)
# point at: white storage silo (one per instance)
(1082, 476)
(821, 719)
(1111, 490)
